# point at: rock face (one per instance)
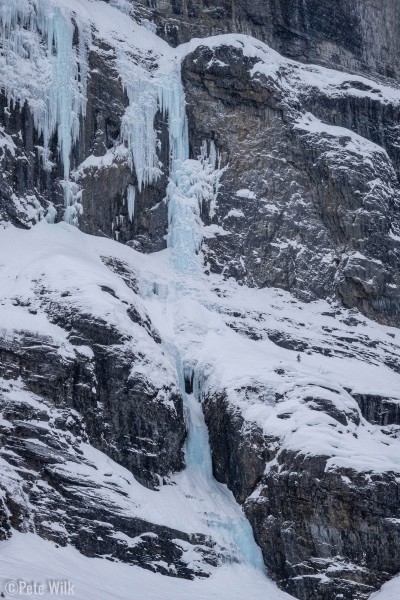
(125, 415)
(51, 487)
(354, 35)
(110, 177)
(293, 125)
(319, 528)
(311, 160)
(291, 450)
(301, 207)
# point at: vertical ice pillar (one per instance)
(130, 200)
(149, 94)
(184, 224)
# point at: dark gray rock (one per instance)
(352, 35)
(318, 216)
(378, 410)
(105, 185)
(124, 414)
(49, 486)
(324, 532)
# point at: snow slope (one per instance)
(194, 317)
(197, 319)
(390, 591)
(30, 559)
(191, 501)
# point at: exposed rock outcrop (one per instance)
(304, 204)
(325, 532)
(52, 484)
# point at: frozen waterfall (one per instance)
(148, 95)
(40, 65)
(193, 182)
(50, 43)
(224, 516)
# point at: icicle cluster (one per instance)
(40, 65)
(147, 95)
(193, 183)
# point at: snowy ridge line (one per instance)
(295, 75)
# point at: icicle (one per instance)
(184, 230)
(130, 200)
(148, 95)
(213, 156)
(138, 131)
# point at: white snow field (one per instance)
(30, 559)
(390, 591)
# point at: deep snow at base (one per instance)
(29, 558)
